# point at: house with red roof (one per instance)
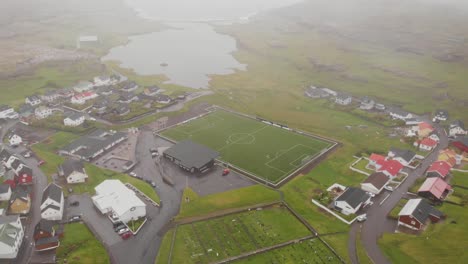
(391, 168)
(439, 169)
(374, 158)
(424, 129)
(427, 144)
(81, 98)
(435, 189)
(461, 143)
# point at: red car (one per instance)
(226, 172)
(41, 162)
(126, 235)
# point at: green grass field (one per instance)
(308, 251)
(220, 238)
(80, 246)
(266, 151)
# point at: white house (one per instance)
(367, 103)
(81, 98)
(440, 115)
(10, 161)
(15, 140)
(5, 192)
(427, 144)
(102, 80)
(7, 112)
(52, 203)
(73, 171)
(115, 199)
(457, 128)
(163, 99)
(83, 86)
(351, 200)
(50, 96)
(343, 99)
(397, 113)
(329, 91)
(42, 112)
(11, 236)
(375, 183)
(33, 100)
(74, 120)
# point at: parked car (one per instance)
(388, 188)
(41, 162)
(361, 218)
(75, 218)
(116, 224)
(119, 227)
(126, 236)
(75, 203)
(153, 184)
(133, 174)
(226, 172)
(123, 230)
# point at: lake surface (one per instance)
(191, 50)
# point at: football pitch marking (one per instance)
(240, 139)
(292, 163)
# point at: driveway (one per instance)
(377, 222)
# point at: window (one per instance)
(413, 222)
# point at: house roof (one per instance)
(462, 139)
(4, 107)
(70, 166)
(4, 188)
(397, 111)
(33, 97)
(393, 167)
(441, 167)
(441, 113)
(457, 123)
(353, 196)
(377, 179)
(419, 209)
(343, 96)
(129, 85)
(405, 154)
(52, 191)
(16, 163)
(46, 240)
(153, 89)
(376, 157)
(428, 142)
(50, 206)
(20, 193)
(25, 170)
(436, 186)
(9, 230)
(44, 225)
(127, 96)
(424, 125)
(5, 154)
(163, 97)
(115, 195)
(89, 145)
(191, 154)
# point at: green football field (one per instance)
(266, 151)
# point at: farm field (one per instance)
(310, 251)
(228, 236)
(269, 152)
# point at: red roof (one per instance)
(436, 186)
(393, 167)
(441, 167)
(376, 157)
(428, 142)
(425, 125)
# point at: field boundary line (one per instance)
(240, 139)
(169, 259)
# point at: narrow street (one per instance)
(377, 222)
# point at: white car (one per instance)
(361, 218)
(123, 230)
(388, 188)
(133, 174)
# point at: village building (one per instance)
(448, 156)
(101, 106)
(26, 111)
(11, 236)
(397, 113)
(122, 110)
(50, 96)
(7, 112)
(163, 99)
(367, 103)
(417, 213)
(351, 200)
(52, 203)
(152, 90)
(439, 169)
(24, 174)
(20, 201)
(314, 92)
(74, 120)
(329, 91)
(343, 99)
(42, 112)
(434, 136)
(105, 90)
(434, 189)
(45, 237)
(375, 183)
(83, 86)
(14, 140)
(380, 107)
(114, 199)
(424, 129)
(66, 92)
(102, 80)
(81, 98)
(127, 98)
(427, 144)
(94, 144)
(5, 192)
(33, 100)
(129, 86)
(191, 156)
(460, 143)
(73, 171)
(457, 128)
(440, 115)
(374, 159)
(405, 157)
(391, 168)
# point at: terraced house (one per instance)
(11, 236)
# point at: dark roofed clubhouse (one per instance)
(191, 156)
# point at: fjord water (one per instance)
(190, 50)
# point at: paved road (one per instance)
(377, 222)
